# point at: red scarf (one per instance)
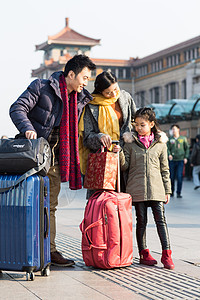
(69, 153)
(146, 140)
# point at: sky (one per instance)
(128, 28)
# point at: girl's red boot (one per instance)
(146, 258)
(166, 259)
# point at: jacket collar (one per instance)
(84, 96)
(130, 137)
(54, 82)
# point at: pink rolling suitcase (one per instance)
(107, 239)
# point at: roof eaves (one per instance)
(167, 51)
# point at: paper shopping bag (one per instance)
(101, 173)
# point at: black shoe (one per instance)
(179, 196)
(58, 260)
(196, 187)
(172, 195)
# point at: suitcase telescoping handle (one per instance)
(118, 168)
(46, 217)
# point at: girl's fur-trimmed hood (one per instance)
(129, 137)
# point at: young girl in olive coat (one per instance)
(145, 157)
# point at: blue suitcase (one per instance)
(24, 225)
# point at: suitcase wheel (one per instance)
(45, 271)
(30, 276)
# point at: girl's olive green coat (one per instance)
(148, 170)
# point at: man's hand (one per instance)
(170, 157)
(185, 161)
(30, 134)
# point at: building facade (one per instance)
(173, 73)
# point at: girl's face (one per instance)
(143, 127)
(111, 91)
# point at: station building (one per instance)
(59, 48)
(168, 80)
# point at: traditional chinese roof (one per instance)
(111, 62)
(68, 36)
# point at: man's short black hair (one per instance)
(175, 125)
(198, 137)
(78, 63)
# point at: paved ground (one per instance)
(134, 282)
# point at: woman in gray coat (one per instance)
(107, 117)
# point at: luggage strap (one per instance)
(84, 231)
(25, 176)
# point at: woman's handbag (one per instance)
(24, 156)
(101, 173)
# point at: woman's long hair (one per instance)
(103, 81)
(148, 114)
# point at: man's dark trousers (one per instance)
(176, 171)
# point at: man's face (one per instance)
(77, 83)
(175, 131)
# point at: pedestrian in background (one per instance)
(50, 108)
(145, 157)
(195, 162)
(178, 153)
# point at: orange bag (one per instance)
(101, 173)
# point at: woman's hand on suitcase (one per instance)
(30, 134)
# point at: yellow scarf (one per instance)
(107, 121)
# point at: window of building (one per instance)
(177, 59)
(191, 54)
(161, 64)
(128, 73)
(169, 61)
(173, 60)
(140, 99)
(142, 71)
(120, 75)
(124, 73)
(155, 95)
(171, 90)
(184, 90)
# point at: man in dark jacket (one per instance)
(51, 109)
(195, 162)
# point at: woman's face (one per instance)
(111, 91)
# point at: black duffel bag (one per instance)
(24, 156)
(18, 156)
